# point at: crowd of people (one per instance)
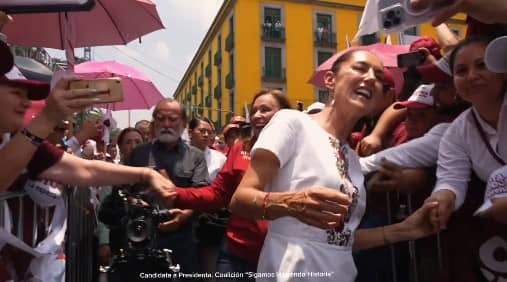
(285, 194)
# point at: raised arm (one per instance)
(61, 103)
(387, 122)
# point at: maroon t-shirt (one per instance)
(46, 156)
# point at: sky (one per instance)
(163, 55)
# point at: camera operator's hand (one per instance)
(487, 11)
(180, 218)
(104, 254)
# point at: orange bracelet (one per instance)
(264, 206)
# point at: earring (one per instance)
(332, 102)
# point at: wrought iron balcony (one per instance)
(324, 38)
(273, 34)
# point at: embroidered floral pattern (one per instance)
(336, 236)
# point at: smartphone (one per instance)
(45, 6)
(397, 15)
(412, 59)
(112, 87)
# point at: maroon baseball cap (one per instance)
(36, 90)
(428, 43)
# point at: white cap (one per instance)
(421, 98)
(496, 55)
(496, 188)
(315, 108)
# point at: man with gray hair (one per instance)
(185, 166)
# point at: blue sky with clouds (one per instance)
(165, 54)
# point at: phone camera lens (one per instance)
(396, 21)
(390, 14)
(387, 24)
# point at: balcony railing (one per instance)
(229, 42)
(229, 81)
(273, 34)
(217, 60)
(324, 38)
(270, 75)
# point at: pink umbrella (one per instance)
(110, 22)
(387, 54)
(138, 91)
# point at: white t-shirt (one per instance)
(463, 150)
(214, 160)
(308, 159)
(419, 152)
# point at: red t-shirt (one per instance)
(245, 236)
(46, 156)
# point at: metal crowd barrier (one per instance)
(18, 223)
(80, 246)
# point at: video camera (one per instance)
(138, 226)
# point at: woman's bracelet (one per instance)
(32, 138)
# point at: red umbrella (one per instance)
(387, 53)
(110, 22)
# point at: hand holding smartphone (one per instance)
(111, 88)
(399, 15)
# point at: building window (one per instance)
(322, 57)
(272, 26)
(232, 101)
(324, 34)
(231, 24)
(273, 62)
(219, 42)
(272, 15)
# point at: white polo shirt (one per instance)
(463, 150)
(418, 152)
(214, 160)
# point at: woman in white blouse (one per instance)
(477, 139)
(307, 181)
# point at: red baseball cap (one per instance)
(228, 128)
(428, 43)
(36, 90)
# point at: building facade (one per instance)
(255, 44)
